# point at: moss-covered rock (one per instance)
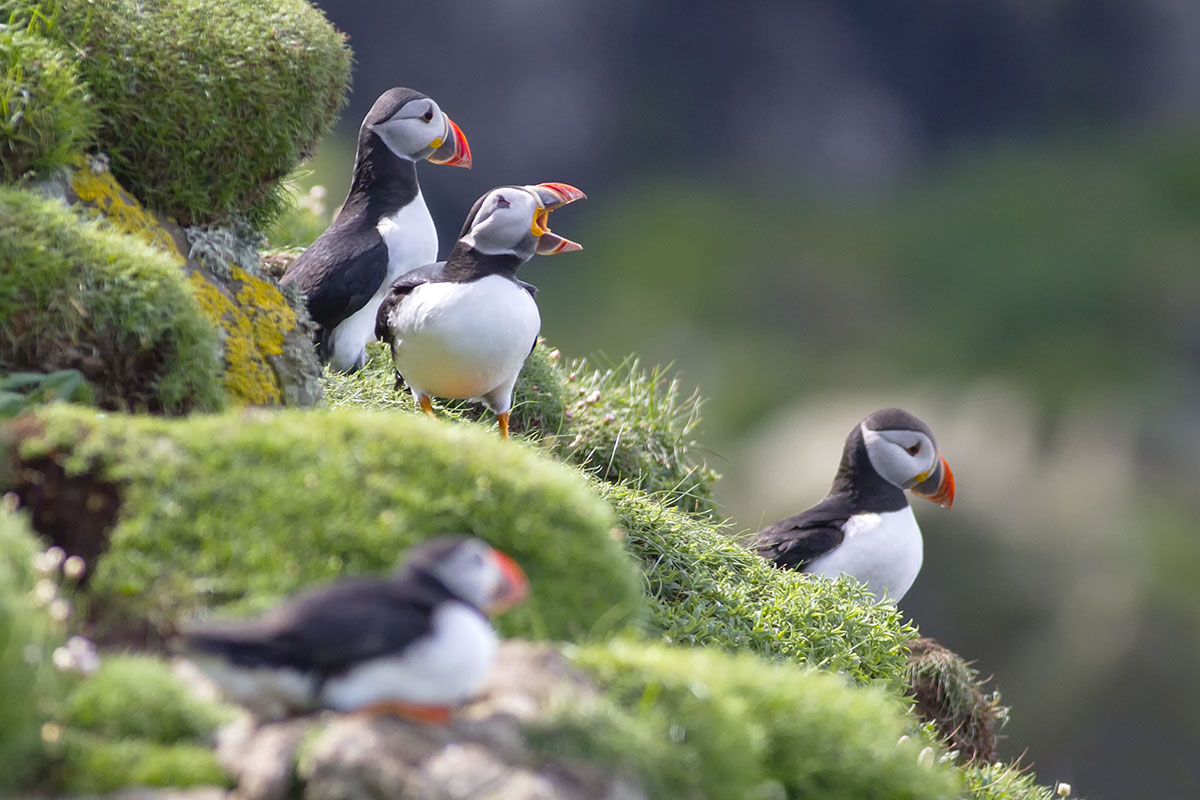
(46, 116)
(696, 723)
(77, 295)
(623, 423)
(205, 105)
(706, 589)
(27, 638)
(249, 507)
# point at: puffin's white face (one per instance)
(416, 129)
(504, 221)
(482, 575)
(903, 458)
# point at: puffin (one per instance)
(865, 527)
(383, 229)
(412, 645)
(462, 328)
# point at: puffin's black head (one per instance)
(471, 570)
(901, 448)
(514, 220)
(414, 128)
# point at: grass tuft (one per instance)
(79, 295)
(46, 115)
(694, 723)
(1008, 782)
(205, 105)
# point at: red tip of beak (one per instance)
(565, 191)
(456, 152)
(515, 586)
(944, 496)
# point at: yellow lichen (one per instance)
(252, 328)
(102, 195)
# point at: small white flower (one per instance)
(594, 397)
(55, 555)
(1062, 789)
(73, 567)
(925, 757)
(45, 591)
(59, 610)
(63, 658)
(51, 733)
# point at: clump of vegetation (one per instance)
(706, 589)
(696, 723)
(166, 80)
(28, 637)
(79, 295)
(91, 765)
(623, 423)
(1009, 782)
(46, 116)
(948, 693)
(246, 508)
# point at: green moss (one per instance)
(27, 638)
(90, 764)
(77, 295)
(46, 116)
(1008, 782)
(692, 723)
(622, 423)
(706, 589)
(249, 507)
(137, 697)
(206, 105)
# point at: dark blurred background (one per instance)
(985, 212)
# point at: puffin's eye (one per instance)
(916, 448)
(501, 202)
(428, 115)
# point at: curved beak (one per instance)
(552, 196)
(452, 147)
(513, 588)
(939, 486)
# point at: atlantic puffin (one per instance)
(864, 527)
(383, 229)
(462, 328)
(413, 644)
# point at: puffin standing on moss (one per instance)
(462, 328)
(864, 527)
(383, 229)
(412, 645)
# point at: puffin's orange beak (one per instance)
(938, 487)
(454, 150)
(514, 587)
(552, 196)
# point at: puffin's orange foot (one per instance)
(426, 404)
(434, 715)
(502, 418)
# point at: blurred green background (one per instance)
(987, 213)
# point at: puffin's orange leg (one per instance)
(502, 418)
(434, 715)
(426, 404)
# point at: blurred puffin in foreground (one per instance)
(413, 644)
(462, 328)
(864, 527)
(383, 229)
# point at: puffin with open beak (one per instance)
(412, 645)
(462, 328)
(864, 527)
(383, 229)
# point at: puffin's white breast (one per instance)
(884, 551)
(444, 668)
(462, 340)
(411, 240)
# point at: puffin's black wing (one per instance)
(794, 542)
(326, 631)
(339, 273)
(400, 289)
(529, 287)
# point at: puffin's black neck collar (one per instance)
(465, 263)
(383, 182)
(865, 490)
